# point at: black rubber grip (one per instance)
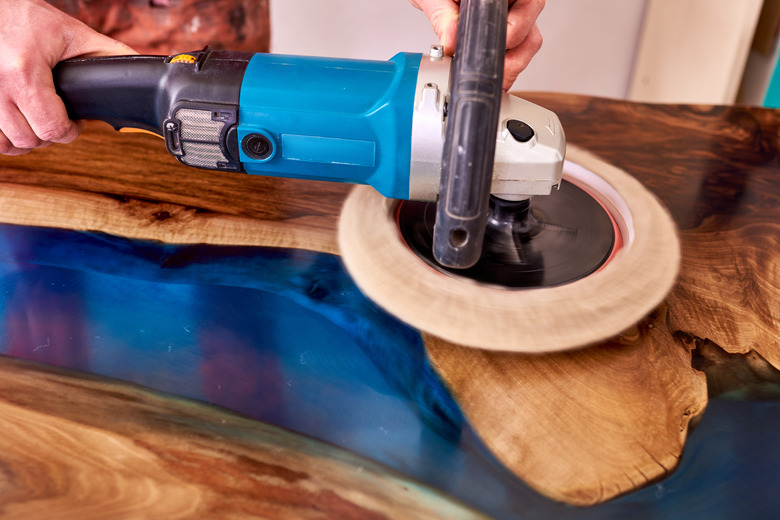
(140, 91)
(470, 136)
(124, 91)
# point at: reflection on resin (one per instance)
(284, 336)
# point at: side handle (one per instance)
(470, 135)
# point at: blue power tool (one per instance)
(416, 127)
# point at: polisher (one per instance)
(474, 177)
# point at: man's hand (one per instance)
(523, 39)
(34, 37)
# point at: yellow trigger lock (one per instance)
(183, 58)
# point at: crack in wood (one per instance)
(733, 375)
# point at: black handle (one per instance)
(141, 91)
(470, 136)
(124, 91)
(190, 99)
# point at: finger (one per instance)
(45, 112)
(517, 59)
(16, 128)
(105, 46)
(93, 44)
(7, 148)
(521, 19)
(443, 15)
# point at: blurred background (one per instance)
(690, 51)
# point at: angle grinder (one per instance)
(479, 172)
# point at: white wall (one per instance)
(589, 45)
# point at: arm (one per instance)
(34, 37)
(523, 39)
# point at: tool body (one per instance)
(475, 169)
(381, 123)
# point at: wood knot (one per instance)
(162, 215)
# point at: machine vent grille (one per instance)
(202, 155)
(200, 134)
(198, 125)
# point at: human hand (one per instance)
(35, 37)
(523, 39)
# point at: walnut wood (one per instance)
(85, 447)
(158, 221)
(136, 166)
(715, 169)
(583, 426)
(747, 376)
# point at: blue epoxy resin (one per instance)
(285, 336)
(331, 119)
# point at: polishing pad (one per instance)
(632, 276)
(541, 242)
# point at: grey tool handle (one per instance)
(470, 136)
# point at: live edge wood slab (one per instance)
(580, 427)
(84, 447)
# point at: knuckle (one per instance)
(12, 65)
(536, 41)
(17, 151)
(8, 148)
(25, 142)
(55, 131)
(49, 122)
(17, 73)
(22, 139)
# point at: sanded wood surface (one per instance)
(585, 426)
(145, 220)
(131, 169)
(84, 447)
(715, 169)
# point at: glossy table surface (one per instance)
(282, 335)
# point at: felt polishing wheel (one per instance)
(632, 282)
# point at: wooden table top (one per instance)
(623, 409)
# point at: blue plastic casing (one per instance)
(332, 119)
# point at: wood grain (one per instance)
(714, 168)
(83, 447)
(159, 221)
(581, 427)
(136, 167)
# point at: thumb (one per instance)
(443, 15)
(114, 48)
(93, 44)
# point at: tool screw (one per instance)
(437, 51)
